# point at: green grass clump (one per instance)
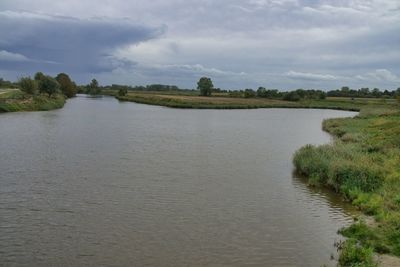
(354, 255)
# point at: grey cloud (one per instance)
(73, 44)
(277, 43)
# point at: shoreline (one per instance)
(218, 102)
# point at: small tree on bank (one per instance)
(68, 88)
(93, 88)
(122, 92)
(205, 86)
(48, 85)
(28, 85)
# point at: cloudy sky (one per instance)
(284, 44)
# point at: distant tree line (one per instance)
(151, 87)
(345, 91)
(95, 88)
(7, 84)
(62, 83)
(295, 95)
(300, 94)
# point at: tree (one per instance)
(122, 92)
(364, 91)
(376, 92)
(291, 96)
(345, 89)
(261, 92)
(205, 86)
(249, 93)
(93, 88)
(66, 85)
(28, 85)
(48, 85)
(39, 76)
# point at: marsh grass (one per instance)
(362, 164)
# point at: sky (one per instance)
(283, 44)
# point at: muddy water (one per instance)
(103, 183)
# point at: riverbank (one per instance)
(15, 100)
(222, 101)
(362, 164)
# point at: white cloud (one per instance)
(379, 75)
(310, 76)
(8, 56)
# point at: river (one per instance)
(103, 183)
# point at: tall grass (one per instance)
(362, 164)
(344, 167)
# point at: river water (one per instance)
(103, 183)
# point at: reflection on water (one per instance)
(102, 183)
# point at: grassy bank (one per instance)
(15, 100)
(221, 101)
(362, 164)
